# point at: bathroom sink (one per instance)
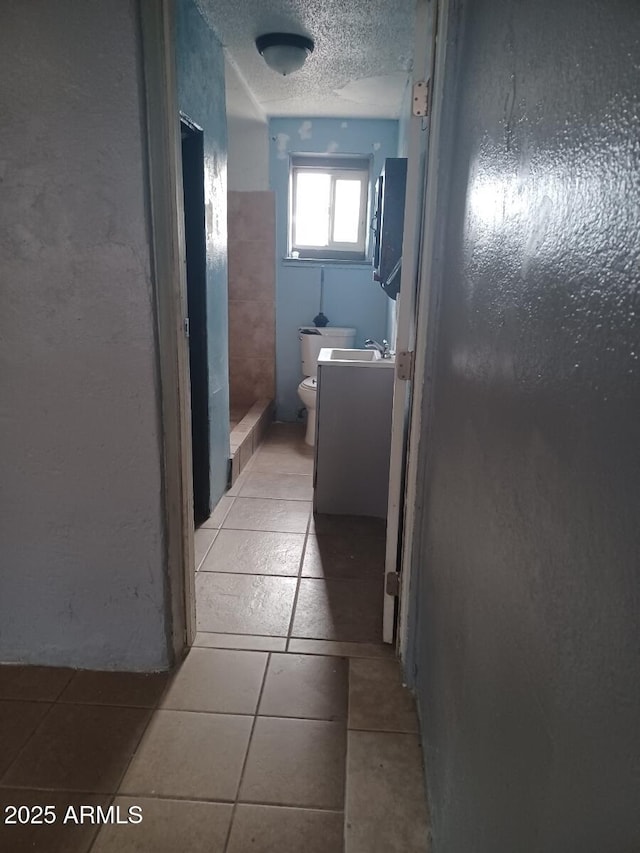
(354, 355)
(353, 358)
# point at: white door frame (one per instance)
(169, 274)
(406, 312)
(424, 304)
(166, 205)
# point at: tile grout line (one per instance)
(299, 578)
(384, 656)
(223, 713)
(323, 653)
(25, 744)
(110, 800)
(41, 722)
(273, 497)
(179, 798)
(246, 756)
(276, 474)
(263, 529)
(216, 531)
(62, 689)
(280, 575)
(245, 575)
(230, 498)
(260, 529)
(241, 633)
(322, 719)
(346, 759)
(413, 733)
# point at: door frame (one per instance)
(165, 200)
(166, 216)
(405, 321)
(423, 343)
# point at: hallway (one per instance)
(285, 729)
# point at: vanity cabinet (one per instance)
(353, 437)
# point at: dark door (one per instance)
(194, 229)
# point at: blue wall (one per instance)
(527, 643)
(351, 297)
(201, 96)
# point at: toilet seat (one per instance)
(310, 383)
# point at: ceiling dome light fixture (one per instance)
(284, 52)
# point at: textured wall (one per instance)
(252, 298)
(248, 137)
(201, 96)
(80, 521)
(351, 296)
(528, 650)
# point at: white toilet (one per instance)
(312, 340)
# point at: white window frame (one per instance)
(337, 168)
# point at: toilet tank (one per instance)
(313, 339)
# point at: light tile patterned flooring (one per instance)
(286, 728)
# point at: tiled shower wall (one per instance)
(252, 336)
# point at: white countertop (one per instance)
(370, 358)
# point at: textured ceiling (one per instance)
(363, 51)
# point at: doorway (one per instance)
(196, 275)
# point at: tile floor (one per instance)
(285, 729)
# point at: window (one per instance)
(328, 207)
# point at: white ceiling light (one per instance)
(284, 52)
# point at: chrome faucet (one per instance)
(382, 348)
